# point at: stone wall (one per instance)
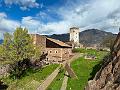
(54, 54)
(57, 54)
(39, 40)
(108, 77)
(66, 53)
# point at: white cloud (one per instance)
(2, 15)
(35, 25)
(24, 4)
(100, 14)
(93, 14)
(30, 23)
(7, 25)
(57, 27)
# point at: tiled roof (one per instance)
(59, 42)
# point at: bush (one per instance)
(75, 50)
(19, 68)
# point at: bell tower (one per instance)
(74, 36)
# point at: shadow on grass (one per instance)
(96, 68)
(3, 86)
(102, 64)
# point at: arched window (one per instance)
(56, 51)
(50, 51)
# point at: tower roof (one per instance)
(74, 28)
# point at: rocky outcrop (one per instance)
(108, 77)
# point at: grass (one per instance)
(32, 80)
(89, 51)
(85, 70)
(57, 82)
(82, 68)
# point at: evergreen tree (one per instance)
(19, 49)
(22, 46)
(1, 53)
(6, 47)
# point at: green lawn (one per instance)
(89, 51)
(57, 82)
(85, 70)
(32, 80)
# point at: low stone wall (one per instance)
(4, 70)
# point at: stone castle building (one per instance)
(57, 51)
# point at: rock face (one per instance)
(108, 77)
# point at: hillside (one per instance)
(87, 37)
(94, 36)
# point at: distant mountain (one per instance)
(88, 37)
(61, 37)
(1, 41)
(93, 36)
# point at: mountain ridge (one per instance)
(88, 37)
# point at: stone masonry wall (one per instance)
(58, 54)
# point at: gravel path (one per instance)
(48, 80)
(64, 84)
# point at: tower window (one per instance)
(56, 51)
(50, 51)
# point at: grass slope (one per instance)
(32, 80)
(84, 69)
(57, 82)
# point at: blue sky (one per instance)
(57, 16)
